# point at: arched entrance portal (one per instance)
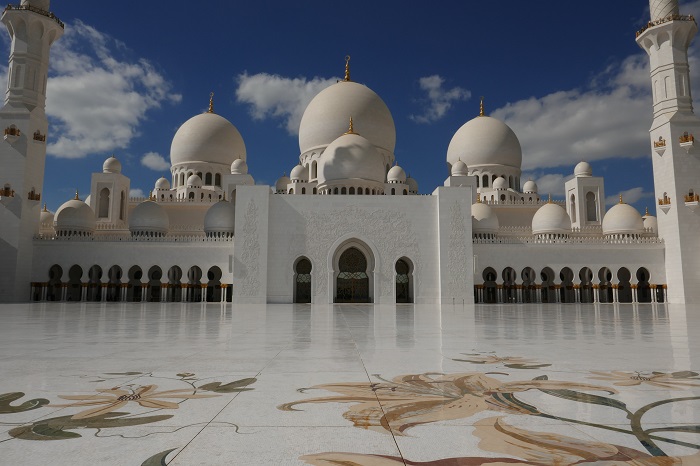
(302, 281)
(404, 280)
(352, 285)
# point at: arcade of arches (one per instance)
(134, 286)
(546, 288)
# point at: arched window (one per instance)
(393, 191)
(207, 179)
(103, 204)
(302, 281)
(343, 190)
(591, 207)
(313, 170)
(303, 190)
(352, 190)
(485, 181)
(122, 206)
(217, 180)
(572, 208)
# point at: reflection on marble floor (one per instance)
(157, 384)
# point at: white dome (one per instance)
(112, 165)
(551, 219)
(485, 141)
(282, 183)
(239, 167)
(500, 183)
(351, 156)
(46, 219)
(326, 117)
(650, 222)
(220, 218)
(623, 219)
(396, 175)
(299, 173)
(484, 219)
(660, 9)
(530, 187)
(460, 169)
(583, 169)
(75, 215)
(412, 185)
(194, 181)
(149, 217)
(207, 138)
(162, 183)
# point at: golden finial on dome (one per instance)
(478, 198)
(77, 196)
(481, 107)
(211, 103)
(621, 201)
(351, 129)
(45, 209)
(550, 199)
(646, 211)
(347, 68)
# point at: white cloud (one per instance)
(629, 196)
(155, 161)
(274, 96)
(136, 192)
(439, 100)
(96, 100)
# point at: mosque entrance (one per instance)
(302, 279)
(353, 281)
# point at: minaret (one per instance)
(23, 121)
(675, 154)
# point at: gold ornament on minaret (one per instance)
(347, 68)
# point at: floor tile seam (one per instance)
(208, 423)
(369, 379)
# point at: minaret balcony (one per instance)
(692, 201)
(6, 194)
(665, 204)
(687, 141)
(12, 134)
(39, 138)
(660, 146)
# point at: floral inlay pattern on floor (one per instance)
(393, 406)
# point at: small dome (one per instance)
(530, 187)
(326, 117)
(460, 169)
(500, 183)
(299, 173)
(485, 141)
(75, 215)
(207, 138)
(46, 220)
(650, 222)
(351, 156)
(282, 182)
(412, 185)
(551, 219)
(583, 169)
(396, 175)
(112, 165)
(220, 218)
(484, 219)
(162, 183)
(623, 219)
(239, 167)
(194, 181)
(149, 217)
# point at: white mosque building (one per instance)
(347, 225)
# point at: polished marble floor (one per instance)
(152, 384)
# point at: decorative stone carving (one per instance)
(390, 232)
(251, 252)
(458, 265)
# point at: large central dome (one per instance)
(326, 117)
(485, 141)
(207, 138)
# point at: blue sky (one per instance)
(566, 76)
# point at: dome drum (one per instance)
(352, 186)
